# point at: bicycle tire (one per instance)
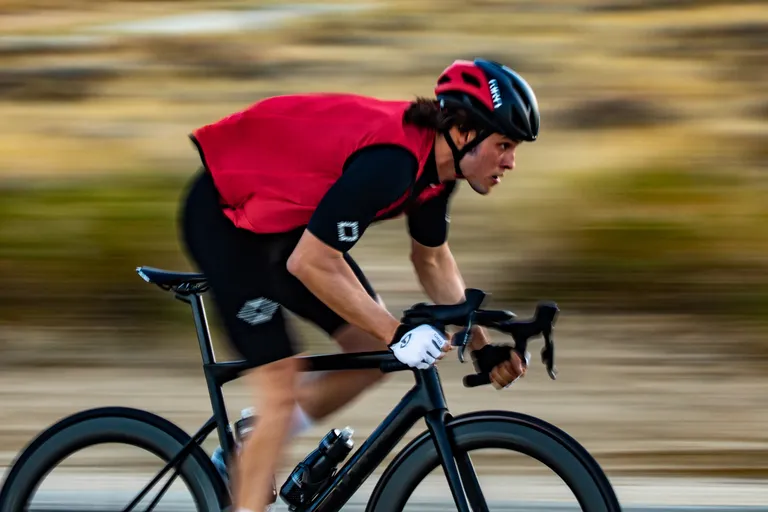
(111, 425)
(498, 429)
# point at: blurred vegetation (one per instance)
(69, 253)
(645, 192)
(665, 240)
(668, 240)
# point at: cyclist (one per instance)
(291, 183)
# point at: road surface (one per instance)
(92, 492)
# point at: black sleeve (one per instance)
(373, 179)
(428, 224)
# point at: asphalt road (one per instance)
(180, 505)
(94, 493)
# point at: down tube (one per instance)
(372, 452)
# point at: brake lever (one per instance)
(542, 323)
(547, 314)
(548, 353)
(461, 338)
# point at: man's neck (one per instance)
(444, 159)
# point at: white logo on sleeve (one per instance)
(348, 231)
(258, 311)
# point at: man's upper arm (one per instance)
(428, 224)
(375, 178)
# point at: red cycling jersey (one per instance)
(273, 162)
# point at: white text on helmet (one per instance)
(495, 93)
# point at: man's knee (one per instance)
(275, 383)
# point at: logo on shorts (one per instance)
(258, 311)
(348, 231)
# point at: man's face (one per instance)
(485, 165)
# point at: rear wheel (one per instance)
(415, 480)
(102, 459)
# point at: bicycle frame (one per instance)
(424, 400)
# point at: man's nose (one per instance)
(508, 162)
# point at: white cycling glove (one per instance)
(419, 347)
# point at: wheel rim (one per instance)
(108, 477)
(510, 481)
(43, 459)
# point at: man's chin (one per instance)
(480, 189)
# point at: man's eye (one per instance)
(504, 146)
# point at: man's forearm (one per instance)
(442, 282)
(440, 278)
(334, 283)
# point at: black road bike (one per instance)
(446, 443)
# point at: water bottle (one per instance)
(314, 473)
(244, 426)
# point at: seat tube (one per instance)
(226, 440)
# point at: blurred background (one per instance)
(641, 210)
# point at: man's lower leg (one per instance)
(261, 452)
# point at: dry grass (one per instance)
(395, 52)
(32, 6)
(666, 411)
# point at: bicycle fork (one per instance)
(457, 467)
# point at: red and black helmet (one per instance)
(494, 94)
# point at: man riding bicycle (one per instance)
(291, 183)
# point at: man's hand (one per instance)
(419, 347)
(504, 374)
(503, 365)
(478, 338)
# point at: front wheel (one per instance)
(500, 432)
(102, 459)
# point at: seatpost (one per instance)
(201, 325)
(195, 300)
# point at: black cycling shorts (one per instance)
(248, 277)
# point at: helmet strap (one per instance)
(458, 154)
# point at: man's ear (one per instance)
(462, 138)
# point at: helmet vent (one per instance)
(469, 79)
(520, 90)
(444, 79)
